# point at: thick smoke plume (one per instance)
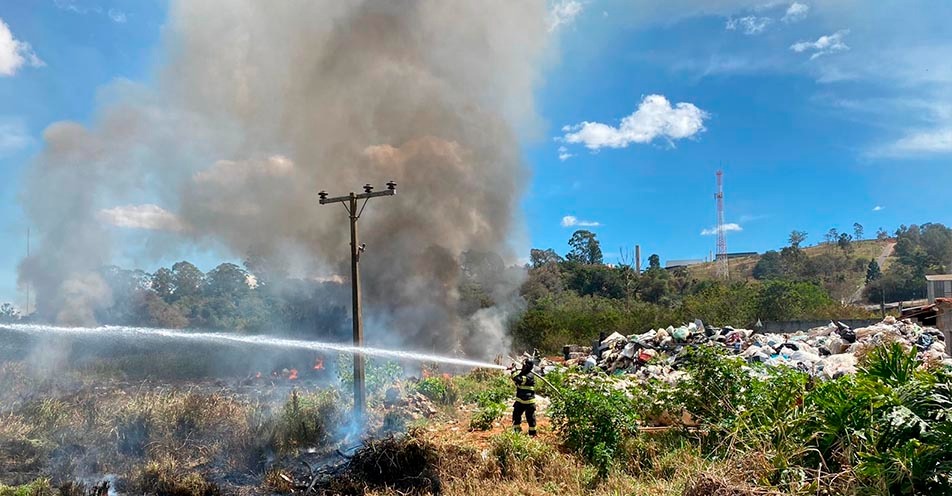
(255, 106)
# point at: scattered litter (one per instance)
(829, 351)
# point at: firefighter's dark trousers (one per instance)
(529, 409)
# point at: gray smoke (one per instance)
(256, 106)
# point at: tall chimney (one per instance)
(638, 258)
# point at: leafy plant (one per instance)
(593, 416)
(483, 419)
(309, 419)
(378, 374)
(438, 389)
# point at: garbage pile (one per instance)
(828, 351)
(414, 404)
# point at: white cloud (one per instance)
(563, 13)
(15, 53)
(726, 228)
(83, 7)
(877, 208)
(77, 7)
(117, 16)
(796, 12)
(750, 24)
(922, 142)
(654, 118)
(148, 216)
(13, 137)
(824, 45)
(572, 221)
(564, 154)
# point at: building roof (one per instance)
(939, 277)
(683, 263)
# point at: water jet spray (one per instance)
(260, 340)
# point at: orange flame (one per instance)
(293, 375)
(319, 364)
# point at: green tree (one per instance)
(720, 304)
(832, 236)
(770, 266)
(593, 279)
(227, 280)
(857, 231)
(544, 277)
(845, 242)
(540, 258)
(882, 235)
(654, 261)
(797, 237)
(163, 283)
(936, 241)
(794, 262)
(785, 300)
(899, 282)
(873, 272)
(585, 248)
(187, 280)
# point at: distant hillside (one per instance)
(742, 268)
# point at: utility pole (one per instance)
(350, 204)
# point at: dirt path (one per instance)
(881, 260)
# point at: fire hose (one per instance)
(547, 383)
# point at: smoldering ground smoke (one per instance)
(255, 106)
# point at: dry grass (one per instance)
(195, 442)
(742, 268)
(179, 440)
(168, 477)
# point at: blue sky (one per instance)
(821, 114)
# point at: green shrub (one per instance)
(717, 386)
(309, 419)
(484, 417)
(378, 374)
(439, 389)
(891, 423)
(39, 487)
(493, 390)
(593, 416)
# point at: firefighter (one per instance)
(525, 398)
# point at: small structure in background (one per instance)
(939, 286)
(938, 312)
(671, 264)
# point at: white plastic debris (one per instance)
(827, 351)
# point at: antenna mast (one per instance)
(723, 270)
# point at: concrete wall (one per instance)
(802, 325)
(944, 323)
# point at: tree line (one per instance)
(569, 297)
(572, 298)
